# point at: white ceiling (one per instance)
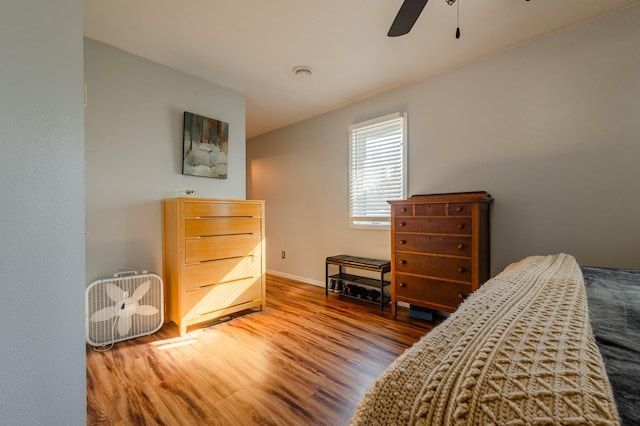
(251, 46)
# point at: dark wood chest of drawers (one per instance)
(439, 249)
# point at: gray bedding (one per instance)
(614, 311)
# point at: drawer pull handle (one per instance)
(402, 224)
(461, 226)
(460, 296)
(403, 284)
(459, 209)
(403, 210)
(402, 242)
(460, 246)
(461, 269)
(403, 262)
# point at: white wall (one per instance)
(549, 128)
(42, 350)
(134, 124)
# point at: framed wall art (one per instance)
(205, 146)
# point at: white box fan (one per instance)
(126, 306)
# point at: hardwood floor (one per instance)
(306, 359)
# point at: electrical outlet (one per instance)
(283, 254)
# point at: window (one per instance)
(376, 170)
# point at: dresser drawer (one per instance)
(457, 246)
(460, 209)
(434, 266)
(423, 209)
(434, 225)
(222, 247)
(202, 274)
(444, 295)
(221, 209)
(403, 210)
(220, 296)
(430, 209)
(221, 226)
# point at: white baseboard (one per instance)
(296, 278)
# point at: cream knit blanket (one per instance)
(519, 351)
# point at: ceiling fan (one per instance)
(408, 15)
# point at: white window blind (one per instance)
(376, 170)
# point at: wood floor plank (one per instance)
(305, 359)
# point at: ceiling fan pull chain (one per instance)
(458, 21)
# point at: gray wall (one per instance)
(549, 128)
(42, 280)
(134, 123)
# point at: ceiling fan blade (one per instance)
(406, 17)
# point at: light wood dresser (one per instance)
(439, 249)
(214, 258)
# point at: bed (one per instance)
(613, 297)
(545, 342)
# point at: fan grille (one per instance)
(105, 332)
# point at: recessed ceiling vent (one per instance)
(302, 71)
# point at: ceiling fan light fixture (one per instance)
(302, 71)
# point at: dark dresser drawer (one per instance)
(434, 225)
(438, 294)
(453, 245)
(430, 209)
(452, 268)
(459, 209)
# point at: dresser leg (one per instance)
(394, 307)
